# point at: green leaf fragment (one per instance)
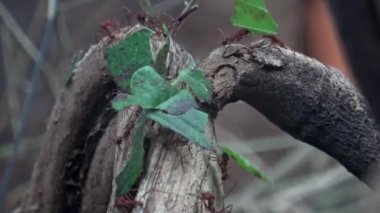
(254, 16)
(167, 105)
(197, 82)
(191, 125)
(149, 89)
(178, 104)
(126, 57)
(134, 166)
(245, 163)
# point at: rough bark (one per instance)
(176, 173)
(307, 99)
(76, 124)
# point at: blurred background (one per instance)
(305, 179)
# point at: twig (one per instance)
(182, 16)
(187, 13)
(188, 5)
(11, 80)
(51, 13)
(71, 4)
(146, 7)
(27, 44)
(18, 32)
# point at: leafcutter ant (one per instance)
(156, 21)
(276, 40)
(209, 201)
(108, 28)
(223, 163)
(125, 202)
(243, 32)
(235, 37)
(130, 126)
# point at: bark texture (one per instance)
(76, 125)
(309, 100)
(80, 159)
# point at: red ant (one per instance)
(243, 32)
(107, 28)
(276, 40)
(223, 163)
(130, 126)
(127, 203)
(154, 22)
(209, 201)
(235, 37)
(141, 18)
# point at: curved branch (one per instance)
(311, 101)
(75, 127)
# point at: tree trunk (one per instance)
(81, 157)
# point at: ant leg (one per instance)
(226, 209)
(276, 40)
(130, 15)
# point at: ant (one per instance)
(141, 18)
(235, 37)
(130, 126)
(276, 40)
(223, 163)
(155, 21)
(107, 28)
(209, 201)
(243, 32)
(127, 203)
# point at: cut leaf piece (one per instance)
(245, 163)
(191, 125)
(178, 104)
(197, 82)
(134, 166)
(254, 16)
(149, 89)
(127, 56)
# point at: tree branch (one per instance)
(311, 101)
(76, 125)
(307, 99)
